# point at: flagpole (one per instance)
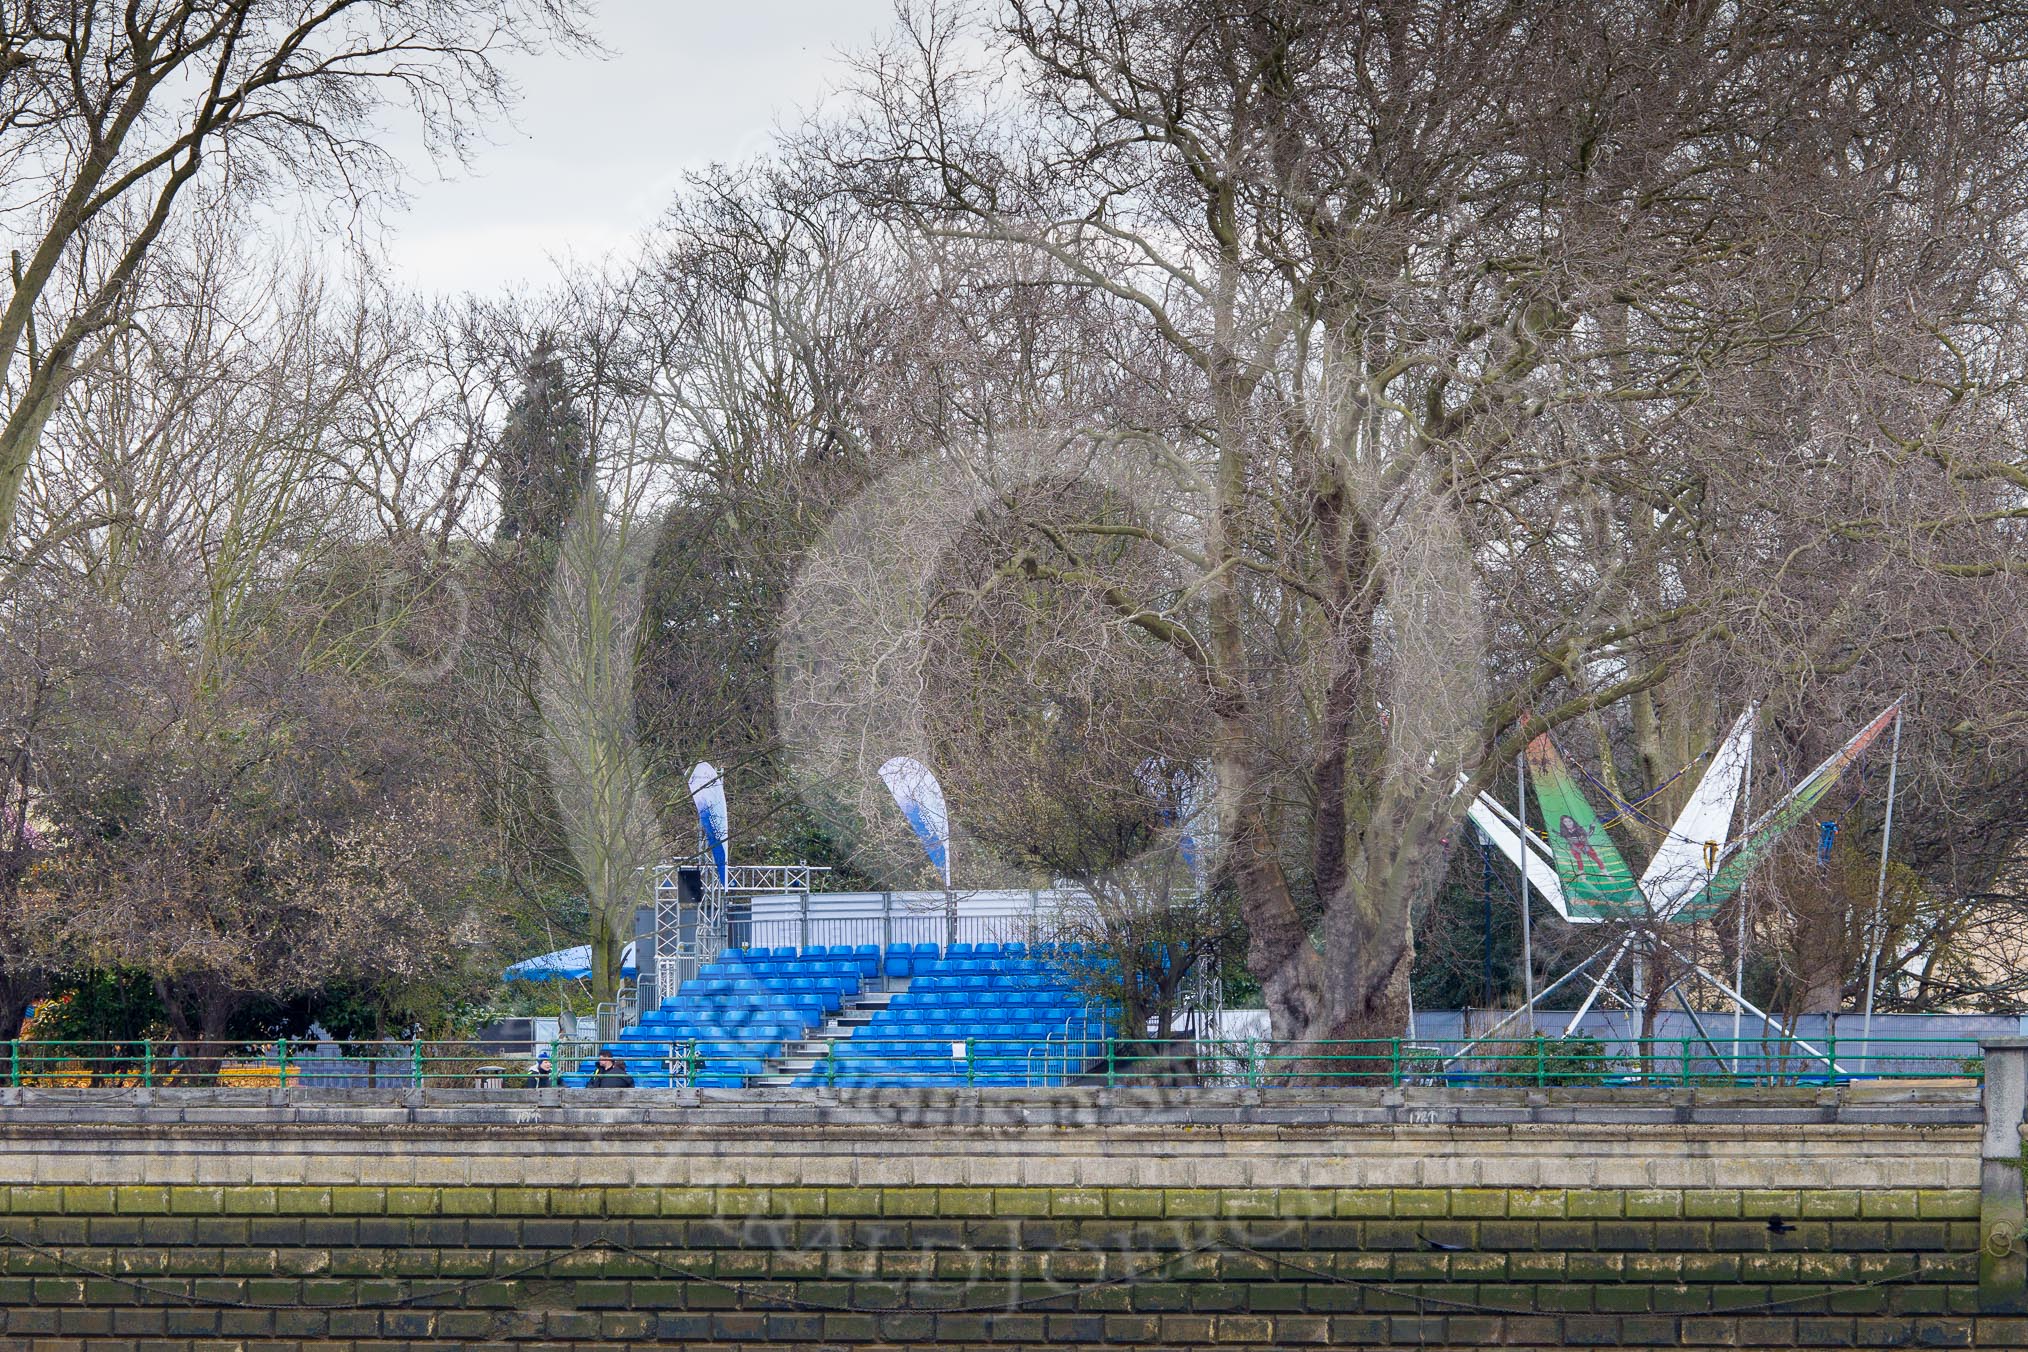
(1527, 938)
(950, 897)
(1880, 889)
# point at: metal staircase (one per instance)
(802, 1056)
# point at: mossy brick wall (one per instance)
(467, 1225)
(950, 1266)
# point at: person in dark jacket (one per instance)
(610, 1073)
(543, 1076)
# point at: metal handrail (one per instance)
(1083, 1018)
(725, 1062)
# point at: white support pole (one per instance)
(1739, 940)
(1598, 986)
(1547, 991)
(1766, 1018)
(950, 897)
(1880, 890)
(1610, 994)
(1409, 937)
(1527, 923)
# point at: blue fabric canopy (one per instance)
(565, 964)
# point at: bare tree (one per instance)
(111, 114)
(240, 830)
(1076, 757)
(589, 655)
(35, 662)
(772, 307)
(1457, 302)
(235, 801)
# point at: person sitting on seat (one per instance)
(543, 1076)
(610, 1073)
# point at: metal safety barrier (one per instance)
(1079, 1054)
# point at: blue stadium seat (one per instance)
(1002, 1000)
(734, 1016)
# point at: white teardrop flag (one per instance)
(921, 800)
(707, 791)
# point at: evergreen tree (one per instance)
(543, 461)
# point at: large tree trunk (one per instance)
(1278, 951)
(1369, 942)
(1821, 922)
(606, 946)
(1820, 977)
(200, 1015)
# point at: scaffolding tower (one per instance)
(696, 911)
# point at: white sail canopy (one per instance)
(1505, 833)
(1689, 854)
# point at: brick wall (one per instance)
(1549, 1221)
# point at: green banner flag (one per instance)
(1596, 881)
(1754, 844)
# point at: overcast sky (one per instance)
(598, 146)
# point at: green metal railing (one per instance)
(875, 1059)
(1543, 1061)
(1062, 1053)
(148, 1063)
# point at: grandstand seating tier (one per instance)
(1012, 1018)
